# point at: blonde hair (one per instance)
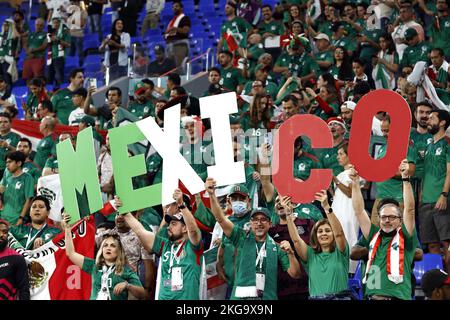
(121, 259)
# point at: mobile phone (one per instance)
(93, 82)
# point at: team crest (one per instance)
(38, 277)
(438, 151)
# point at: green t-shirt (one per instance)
(17, 191)
(58, 51)
(35, 40)
(308, 211)
(8, 47)
(43, 151)
(51, 163)
(237, 238)
(304, 164)
(12, 139)
(271, 89)
(327, 271)
(275, 27)
(377, 280)
(238, 28)
(421, 142)
(440, 35)
(393, 188)
(325, 27)
(184, 255)
(348, 43)
(26, 234)
(150, 219)
(326, 56)
(437, 156)
(30, 168)
(127, 275)
(63, 105)
(231, 78)
(142, 110)
(328, 159)
(414, 54)
(367, 51)
(302, 64)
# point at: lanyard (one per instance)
(104, 293)
(175, 254)
(261, 253)
(30, 239)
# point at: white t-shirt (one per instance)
(76, 116)
(59, 7)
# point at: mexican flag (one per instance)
(50, 187)
(52, 275)
(217, 288)
(232, 44)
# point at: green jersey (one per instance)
(325, 27)
(328, 159)
(12, 139)
(17, 191)
(271, 89)
(304, 164)
(367, 51)
(348, 43)
(30, 168)
(231, 78)
(414, 54)
(324, 56)
(89, 266)
(439, 31)
(393, 188)
(150, 219)
(8, 46)
(142, 110)
(327, 271)
(58, 51)
(308, 211)
(421, 141)
(303, 65)
(437, 157)
(274, 27)
(35, 40)
(377, 280)
(26, 234)
(51, 163)
(238, 27)
(180, 268)
(63, 105)
(43, 151)
(256, 51)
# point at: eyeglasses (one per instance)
(390, 218)
(261, 220)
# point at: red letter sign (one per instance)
(283, 157)
(400, 114)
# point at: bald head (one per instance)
(49, 121)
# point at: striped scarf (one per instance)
(395, 256)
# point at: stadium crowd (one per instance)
(297, 57)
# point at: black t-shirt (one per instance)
(14, 280)
(154, 68)
(104, 112)
(183, 23)
(94, 8)
(114, 55)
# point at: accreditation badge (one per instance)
(177, 279)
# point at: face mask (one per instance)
(239, 208)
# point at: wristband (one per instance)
(20, 217)
(406, 179)
(181, 206)
(330, 210)
(445, 194)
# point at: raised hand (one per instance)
(322, 197)
(178, 196)
(210, 186)
(286, 247)
(404, 168)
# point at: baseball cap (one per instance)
(90, 121)
(262, 210)
(320, 36)
(410, 33)
(159, 48)
(240, 189)
(433, 279)
(349, 105)
(139, 87)
(176, 217)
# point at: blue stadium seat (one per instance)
(355, 284)
(429, 261)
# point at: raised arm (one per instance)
(336, 226)
(267, 186)
(358, 204)
(87, 103)
(75, 257)
(408, 198)
(294, 267)
(225, 223)
(300, 246)
(192, 228)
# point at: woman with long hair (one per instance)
(37, 95)
(259, 113)
(342, 67)
(326, 259)
(328, 101)
(386, 64)
(116, 47)
(112, 279)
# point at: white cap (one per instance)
(349, 105)
(321, 36)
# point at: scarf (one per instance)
(395, 256)
(104, 293)
(245, 281)
(174, 23)
(440, 75)
(383, 78)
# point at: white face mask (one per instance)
(239, 208)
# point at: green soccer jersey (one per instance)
(63, 105)
(256, 51)
(274, 27)
(8, 46)
(367, 51)
(51, 163)
(304, 164)
(439, 32)
(150, 219)
(229, 263)
(17, 191)
(421, 141)
(327, 271)
(89, 266)
(183, 259)
(328, 159)
(58, 51)
(302, 64)
(237, 238)
(238, 27)
(12, 139)
(325, 27)
(414, 54)
(196, 155)
(43, 151)
(271, 89)
(26, 234)
(142, 110)
(231, 78)
(377, 280)
(308, 211)
(437, 156)
(30, 168)
(393, 188)
(348, 43)
(324, 56)
(35, 40)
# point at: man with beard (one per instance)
(177, 34)
(13, 270)
(257, 254)
(141, 107)
(434, 212)
(392, 245)
(231, 77)
(347, 109)
(104, 113)
(391, 188)
(180, 247)
(440, 28)
(29, 166)
(33, 235)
